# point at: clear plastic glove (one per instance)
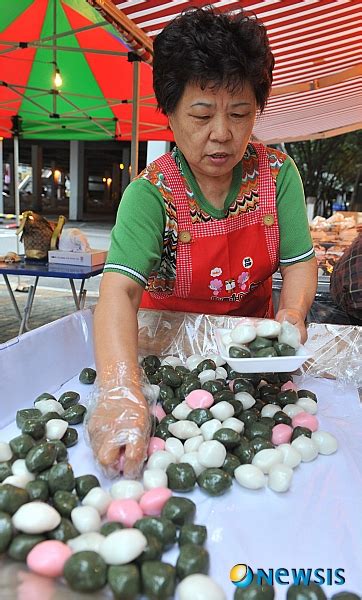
(118, 425)
(295, 317)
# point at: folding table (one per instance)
(56, 270)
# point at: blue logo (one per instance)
(241, 575)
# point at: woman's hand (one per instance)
(120, 422)
(297, 294)
(295, 317)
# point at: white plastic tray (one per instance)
(273, 364)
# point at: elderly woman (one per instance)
(203, 228)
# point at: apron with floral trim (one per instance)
(223, 266)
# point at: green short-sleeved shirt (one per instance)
(137, 237)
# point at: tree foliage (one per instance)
(328, 166)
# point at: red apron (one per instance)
(223, 266)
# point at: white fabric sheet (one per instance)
(316, 524)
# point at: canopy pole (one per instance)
(135, 113)
(54, 86)
(131, 34)
(2, 208)
(16, 186)
(19, 287)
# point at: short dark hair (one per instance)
(208, 47)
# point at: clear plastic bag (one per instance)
(336, 349)
(180, 334)
(337, 353)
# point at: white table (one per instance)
(316, 524)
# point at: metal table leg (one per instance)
(74, 292)
(82, 297)
(12, 297)
(28, 307)
(79, 298)
(82, 294)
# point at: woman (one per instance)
(203, 228)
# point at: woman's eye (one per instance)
(201, 117)
(239, 116)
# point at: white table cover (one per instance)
(316, 524)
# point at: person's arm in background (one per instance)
(120, 419)
(346, 280)
(298, 266)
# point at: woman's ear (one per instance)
(170, 122)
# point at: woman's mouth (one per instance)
(218, 158)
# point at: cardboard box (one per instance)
(85, 259)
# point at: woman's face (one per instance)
(212, 127)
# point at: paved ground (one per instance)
(48, 306)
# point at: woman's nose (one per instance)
(220, 130)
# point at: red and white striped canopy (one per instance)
(317, 46)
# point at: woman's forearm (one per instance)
(299, 287)
(116, 328)
(119, 424)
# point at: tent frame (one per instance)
(143, 45)
(78, 114)
(110, 126)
